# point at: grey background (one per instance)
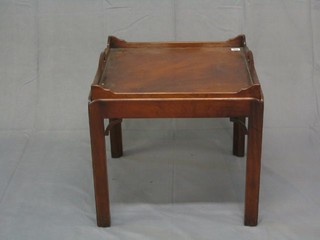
(177, 179)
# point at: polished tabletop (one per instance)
(139, 70)
(203, 69)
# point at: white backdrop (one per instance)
(177, 179)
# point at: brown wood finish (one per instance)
(253, 166)
(99, 164)
(180, 80)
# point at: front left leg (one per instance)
(99, 164)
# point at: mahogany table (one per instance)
(176, 80)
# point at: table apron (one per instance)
(175, 108)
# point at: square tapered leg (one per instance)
(253, 165)
(99, 164)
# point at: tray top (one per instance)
(175, 69)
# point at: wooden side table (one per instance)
(176, 80)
